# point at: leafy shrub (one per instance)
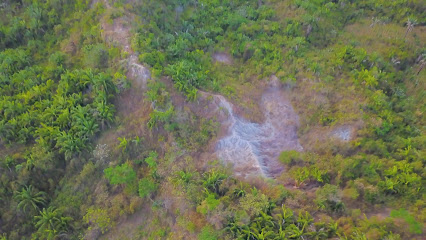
(207, 233)
(121, 174)
(99, 218)
(209, 204)
(96, 56)
(146, 187)
(254, 203)
(415, 227)
(157, 116)
(290, 157)
(329, 198)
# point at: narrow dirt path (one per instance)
(131, 109)
(252, 148)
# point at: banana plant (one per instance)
(70, 144)
(63, 119)
(88, 127)
(281, 234)
(179, 86)
(318, 174)
(185, 177)
(123, 143)
(212, 180)
(103, 82)
(390, 185)
(239, 191)
(29, 165)
(234, 227)
(304, 219)
(265, 220)
(300, 176)
(246, 233)
(79, 113)
(285, 217)
(294, 232)
(191, 94)
(318, 234)
(105, 113)
(263, 234)
(332, 228)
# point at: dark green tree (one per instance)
(30, 197)
(121, 174)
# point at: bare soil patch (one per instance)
(222, 57)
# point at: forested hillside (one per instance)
(212, 119)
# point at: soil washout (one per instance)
(222, 57)
(253, 148)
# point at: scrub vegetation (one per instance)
(86, 152)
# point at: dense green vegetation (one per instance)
(56, 96)
(73, 165)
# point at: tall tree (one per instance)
(30, 197)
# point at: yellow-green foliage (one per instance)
(356, 64)
(98, 218)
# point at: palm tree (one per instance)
(29, 197)
(105, 113)
(85, 77)
(51, 224)
(47, 131)
(59, 101)
(49, 219)
(64, 222)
